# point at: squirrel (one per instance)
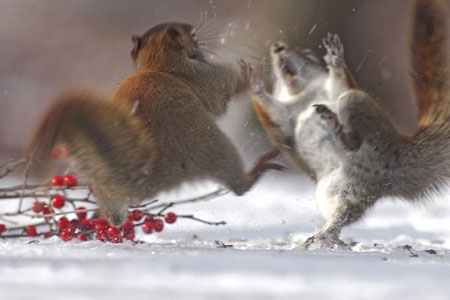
(157, 129)
(301, 81)
(365, 157)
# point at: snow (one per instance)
(265, 261)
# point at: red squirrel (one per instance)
(157, 129)
(342, 139)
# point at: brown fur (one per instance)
(156, 130)
(429, 62)
(280, 141)
(349, 78)
(377, 161)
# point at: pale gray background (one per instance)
(49, 45)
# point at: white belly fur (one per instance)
(326, 203)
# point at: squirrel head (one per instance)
(165, 47)
(295, 69)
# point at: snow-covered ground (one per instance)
(264, 261)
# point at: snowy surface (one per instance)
(265, 261)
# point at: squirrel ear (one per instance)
(136, 45)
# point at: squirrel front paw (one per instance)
(257, 85)
(351, 140)
(335, 50)
(244, 76)
(328, 116)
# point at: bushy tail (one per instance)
(426, 166)
(110, 148)
(85, 122)
(429, 61)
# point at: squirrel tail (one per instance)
(107, 145)
(426, 167)
(429, 62)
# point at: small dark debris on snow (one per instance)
(33, 242)
(409, 248)
(222, 244)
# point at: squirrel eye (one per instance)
(174, 33)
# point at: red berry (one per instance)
(81, 215)
(83, 237)
(58, 201)
(104, 220)
(101, 235)
(37, 206)
(57, 180)
(2, 228)
(149, 218)
(127, 225)
(67, 234)
(136, 215)
(158, 224)
(73, 224)
(112, 232)
(117, 239)
(31, 230)
(63, 223)
(99, 224)
(147, 227)
(70, 181)
(85, 224)
(170, 218)
(129, 235)
(47, 211)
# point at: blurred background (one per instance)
(50, 45)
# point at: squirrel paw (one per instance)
(265, 163)
(351, 140)
(320, 241)
(328, 116)
(245, 70)
(335, 50)
(257, 85)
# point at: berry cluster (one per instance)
(96, 227)
(51, 204)
(101, 230)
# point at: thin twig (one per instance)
(192, 217)
(12, 167)
(26, 174)
(31, 190)
(211, 196)
(145, 204)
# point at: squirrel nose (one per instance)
(278, 48)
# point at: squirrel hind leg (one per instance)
(264, 164)
(328, 236)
